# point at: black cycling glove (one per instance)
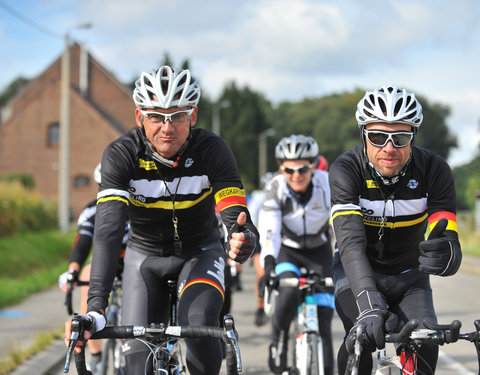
(439, 254)
(376, 317)
(248, 245)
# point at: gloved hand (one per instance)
(93, 321)
(67, 276)
(248, 240)
(269, 267)
(439, 254)
(376, 317)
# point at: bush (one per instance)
(25, 179)
(23, 210)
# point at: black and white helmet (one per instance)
(389, 104)
(97, 173)
(166, 88)
(296, 147)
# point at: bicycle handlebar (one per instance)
(158, 333)
(68, 296)
(303, 282)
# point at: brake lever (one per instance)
(74, 336)
(232, 335)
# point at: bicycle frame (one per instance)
(308, 357)
(113, 346)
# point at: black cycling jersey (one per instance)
(378, 226)
(155, 195)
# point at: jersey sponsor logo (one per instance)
(367, 211)
(188, 162)
(139, 198)
(218, 273)
(147, 164)
(412, 184)
(372, 184)
(232, 196)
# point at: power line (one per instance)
(27, 21)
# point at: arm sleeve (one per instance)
(347, 219)
(112, 202)
(442, 205)
(270, 222)
(230, 196)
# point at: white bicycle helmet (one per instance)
(97, 173)
(166, 88)
(296, 147)
(389, 104)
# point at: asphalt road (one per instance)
(455, 298)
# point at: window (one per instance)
(53, 134)
(81, 180)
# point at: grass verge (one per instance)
(16, 357)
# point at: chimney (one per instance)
(83, 71)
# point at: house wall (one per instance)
(94, 123)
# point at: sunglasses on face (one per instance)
(175, 118)
(300, 169)
(380, 138)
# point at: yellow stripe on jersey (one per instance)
(121, 199)
(168, 205)
(398, 224)
(341, 213)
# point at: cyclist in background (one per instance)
(168, 176)
(385, 192)
(80, 252)
(293, 226)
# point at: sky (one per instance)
(287, 50)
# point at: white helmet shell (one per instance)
(166, 88)
(296, 147)
(389, 104)
(97, 173)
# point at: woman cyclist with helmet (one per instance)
(385, 193)
(293, 225)
(168, 176)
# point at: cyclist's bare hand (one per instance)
(242, 241)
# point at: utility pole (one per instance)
(216, 115)
(262, 152)
(64, 137)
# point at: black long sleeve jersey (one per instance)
(155, 195)
(378, 227)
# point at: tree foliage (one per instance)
(11, 90)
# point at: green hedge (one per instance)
(24, 210)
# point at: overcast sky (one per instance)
(285, 49)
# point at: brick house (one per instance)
(101, 109)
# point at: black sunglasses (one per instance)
(300, 169)
(380, 138)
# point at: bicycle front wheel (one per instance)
(314, 351)
(112, 357)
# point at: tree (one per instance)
(241, 123)
(330, 120)
(10, 91)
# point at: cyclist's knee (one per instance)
(200, 305)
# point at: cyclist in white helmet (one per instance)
(168, 176)
(294, 234)
(385, 194)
